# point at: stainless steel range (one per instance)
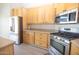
(60, 42)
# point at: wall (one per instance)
(5, 9)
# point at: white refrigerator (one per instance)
(16, 29)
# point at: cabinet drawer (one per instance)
(43, 40)
(43, 45)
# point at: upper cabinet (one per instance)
(24, 15)
(40, 15)
(34, 15)
(69, 6)
(45, 14)
(50, 13)
(16, 12)
(60, 7)
(29, 16)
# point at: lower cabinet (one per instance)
(28, 37)
(8, 50)
(74, 49)
(41, 39)
(37, 38)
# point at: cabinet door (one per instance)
(74, 49)
(44, 40)
(69, 6)
(41, 15)
(49, 14)
(20, 11)
(26, 37)
(41, 39)
(37, 39)
(35, 15)
(59, 7)
(31, 38)
(29, 16)
(24, 18)
(16, 12)
(12, 12)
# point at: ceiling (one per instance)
(33, 3)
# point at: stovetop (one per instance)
(67, 35)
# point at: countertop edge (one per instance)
(9, 42)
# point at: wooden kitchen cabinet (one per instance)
(69, 6)
(16, 12)
(41, 15)
(25, 21)
(75, 47)
(25, 37)
(29, 16)
(41, 39)
(29, 37)
(60, 7)
(34, 15)
(8, 50)
(49, 14)
(46, 14)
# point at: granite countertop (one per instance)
(5, 42)
(76, 42)
(43, 30)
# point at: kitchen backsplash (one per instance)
(53, 26)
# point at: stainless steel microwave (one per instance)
(70, 16)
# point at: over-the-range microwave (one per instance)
(70, 16)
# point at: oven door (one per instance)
(58, 48)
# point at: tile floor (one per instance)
(25, 49)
